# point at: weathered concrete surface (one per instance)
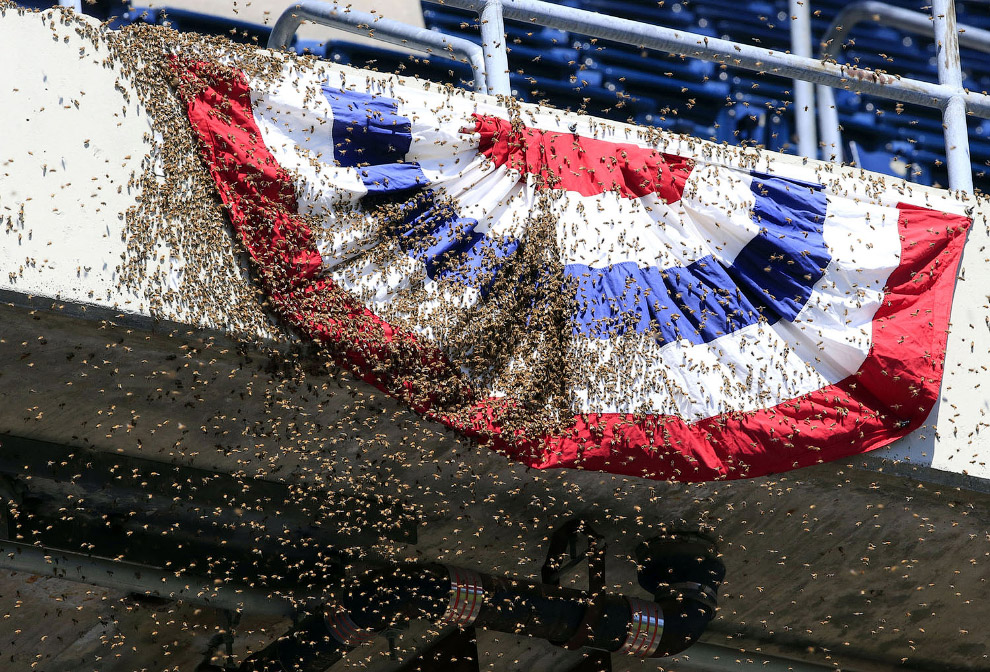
(843, 564)
(836, 557)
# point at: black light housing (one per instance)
(682, 570)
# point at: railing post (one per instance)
(804, 91)
(493, 42)
(954, 111)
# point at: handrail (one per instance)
(953, 100)
(893, 17)
(386, 30)
(744, 56)
(954, 111)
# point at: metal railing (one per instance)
(804, 91)
(947, 95)
(386, 30)
(892, 17)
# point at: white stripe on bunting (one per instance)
(835, 328)
(760, 365)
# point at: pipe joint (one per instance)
(645, 628)
(467, 594)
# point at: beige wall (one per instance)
(266, 12)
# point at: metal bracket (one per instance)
(391, 635)
(563, 555)
(223, 638)
(454, 650)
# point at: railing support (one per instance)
(748, 57)
(954, 111)
(493, 43)
(804, 92)
(490, 64)
(386, 30)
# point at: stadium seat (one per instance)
(755, 123)
(690, 96)
(38, 4)
(387, 60)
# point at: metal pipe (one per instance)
(957, 154)
(463, 607)
(493, 43)
(893, 17)
(804, 92)
(744, 56)
(380, 28)
(828, 121)
(142, 579)
(954, 112)
(682, 572)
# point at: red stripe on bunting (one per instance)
(890, 396)
(262, 205)
(584, 165)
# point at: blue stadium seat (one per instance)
(386, 60)
(691, 96)
(37, 4)
(897, 158)
(197, 22)
(755, 122)
(592, 100)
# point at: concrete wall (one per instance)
(266, 12)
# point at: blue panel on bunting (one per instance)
(697, 303)
(449, 245)
(392, 177)
(771, 278)
(371, 135)
(779, 268)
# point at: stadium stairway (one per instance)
(629, 83)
